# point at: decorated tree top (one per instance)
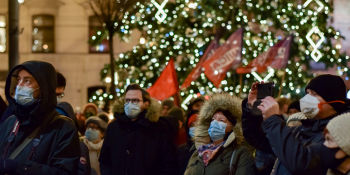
(183, 30)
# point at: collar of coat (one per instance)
(222, 101)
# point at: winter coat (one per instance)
(296, 148)
(3, 106)
(84, 167)
(138, 147)
(242, 161)
(55, 149)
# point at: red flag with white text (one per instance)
(225, 57)
(166, 85)
(198, 69)
(276, 57)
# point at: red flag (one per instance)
(166, 85)
(225, 57)
(198, 69)
(276, 57)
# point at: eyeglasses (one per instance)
(61, 95)
(132, 100)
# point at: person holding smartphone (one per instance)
(325, 98)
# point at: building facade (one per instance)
(58, 31)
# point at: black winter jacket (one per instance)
(55, 149)
(3, 106)
(137, 148)
(296, 148)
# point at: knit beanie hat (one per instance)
(339, 128)
(330, 88)
(99, 122)
(296, 117)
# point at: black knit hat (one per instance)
(330, 88)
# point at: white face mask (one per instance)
(59, 99)
(309, 106)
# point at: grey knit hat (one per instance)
(339, 128)
(99, 122)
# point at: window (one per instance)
(98, 42)
(43, 34)
(2, 33)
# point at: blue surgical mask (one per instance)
(132, 110)
(191, 132)
(217, 130)
(24, 95)
(92, 134)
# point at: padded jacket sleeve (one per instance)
(297, 157)
(252, 131)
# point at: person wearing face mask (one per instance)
(89, 110)
(35, 139)
(218, 140)
(326, 98)
(61, 86)
(93, 139)
(84, 167)
(135, 142)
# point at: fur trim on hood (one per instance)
(222, 101)
(153, 111)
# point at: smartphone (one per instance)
(265, 89)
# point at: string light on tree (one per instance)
(190, 25)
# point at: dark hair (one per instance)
(228, 115)
(103, 117)
(145, 95)
(61, 81)
(169, 103)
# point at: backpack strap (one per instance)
(27, 140)
(33, 135)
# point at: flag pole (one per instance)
(177, 99)
(281, 85)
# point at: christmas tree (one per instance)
(183, 29)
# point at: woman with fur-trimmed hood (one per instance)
(217, 140)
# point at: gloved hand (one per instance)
(7, 165)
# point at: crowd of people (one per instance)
(221, 135)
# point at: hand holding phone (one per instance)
(265, 89)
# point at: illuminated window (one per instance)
(98, 42)
(2, 33)
(43, 34)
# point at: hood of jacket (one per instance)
(152, 114)
(223, 101)
(45, 74)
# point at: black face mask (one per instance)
(328, 157)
